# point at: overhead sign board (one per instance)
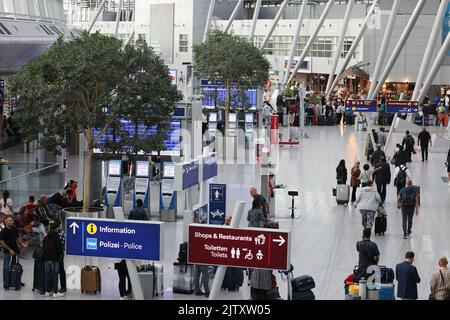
(108, 238)
(361, 105)
(217, 203)
(402, 106)
(243, 248)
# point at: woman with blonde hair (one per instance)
(355, 182)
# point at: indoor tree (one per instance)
(233, 60)
(91, 84)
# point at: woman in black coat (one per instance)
(341, 173)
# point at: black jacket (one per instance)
(400, 158)
(341, 175)
(384, 174)
(54, 251)
(376, 155)
(138, 214)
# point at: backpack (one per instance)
(48, 246)
(400, 180)
(408, 198)
(183, 254)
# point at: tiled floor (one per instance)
(323, 233)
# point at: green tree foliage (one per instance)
(231, 59)
(90, 84)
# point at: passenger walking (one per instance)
(376, 156)
(369, 255)
(368, 147)
(265, 206)
(408, 201)
(138, 213)
(53, 253)
(382, 177)
(401, 174)
(341, 173)
(440, 282)
(6, 204)
(355, 182)
(400, 156)
(201, 270)
(408, 278)
(447, 163)
(255, 215)
(424, 140)
(368, 202)
(10, 241)
(382, 138)
(408, 143)
(366, 175)
(260, 284)
(62, 270)
(122, 271)
(375, 136)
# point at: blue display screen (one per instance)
(172, 143)
(215, 96)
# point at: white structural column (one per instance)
(398, 49)
(355, 44)
(274, 24)
(255, 19)
(295, 42)
(129, 38)
(119, 11)
(100, 9)
(434, 36)
(434, 70)
(233, 15)
(311, 40)
(384, 46)
(208, 19)
(220, 273)
(337, 53)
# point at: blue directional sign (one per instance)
(217, 203)
(398, 106)
(107, 238)
(190, 174)
(361, 105)
(209, 167)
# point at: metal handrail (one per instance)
(30, 173)
(16, 16)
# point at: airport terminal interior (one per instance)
(289, 139)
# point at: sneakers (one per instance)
(123, 298)
(58, 295)
(48, 294)
(405, 236)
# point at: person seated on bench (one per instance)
(26, 222)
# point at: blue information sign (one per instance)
(190, 174)
(209, 166)
(109, 238)
(217, 203)
(361, 105)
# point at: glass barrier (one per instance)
(47, 180)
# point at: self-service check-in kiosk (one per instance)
(142, 184)
(232, 124)
(249, 126)
(114, 187)
(167, 201)
(212, 125)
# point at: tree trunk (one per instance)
(227, 105)
(87, 180)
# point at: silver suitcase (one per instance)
(146, 279)
(342, 194)
(183, 281)
(159, 280)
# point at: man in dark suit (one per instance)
(407, 278)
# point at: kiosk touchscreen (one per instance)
(232, 124)
(167, 201)
(113, 196)
(212, 124)
(142, 184)
(249, 118)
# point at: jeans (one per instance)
(122, 270)
(203, 270)
(407, 217)
(368, 218)
(424, 152)
(51, 276)
(381, 187)
(6, 258)
(62, 274)
(354, 194)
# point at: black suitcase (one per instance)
(380, 225)
(321, 120)
(330, 121)
(303, 295)
(303, 283)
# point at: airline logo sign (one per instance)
(402, 106)
(110, 238)
(243, 248)
(361, 105)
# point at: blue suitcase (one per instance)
(303, 283)
(15, 273)
(387, 291)
(303, 295)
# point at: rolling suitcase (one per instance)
(158, 281)
(303, 295)
(342, 194)
(183, 281)
(147, 281)
(380, 224)
(90, 279)
(15, 273)
(321, 120)
(303, 283)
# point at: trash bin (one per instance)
(4, 167)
